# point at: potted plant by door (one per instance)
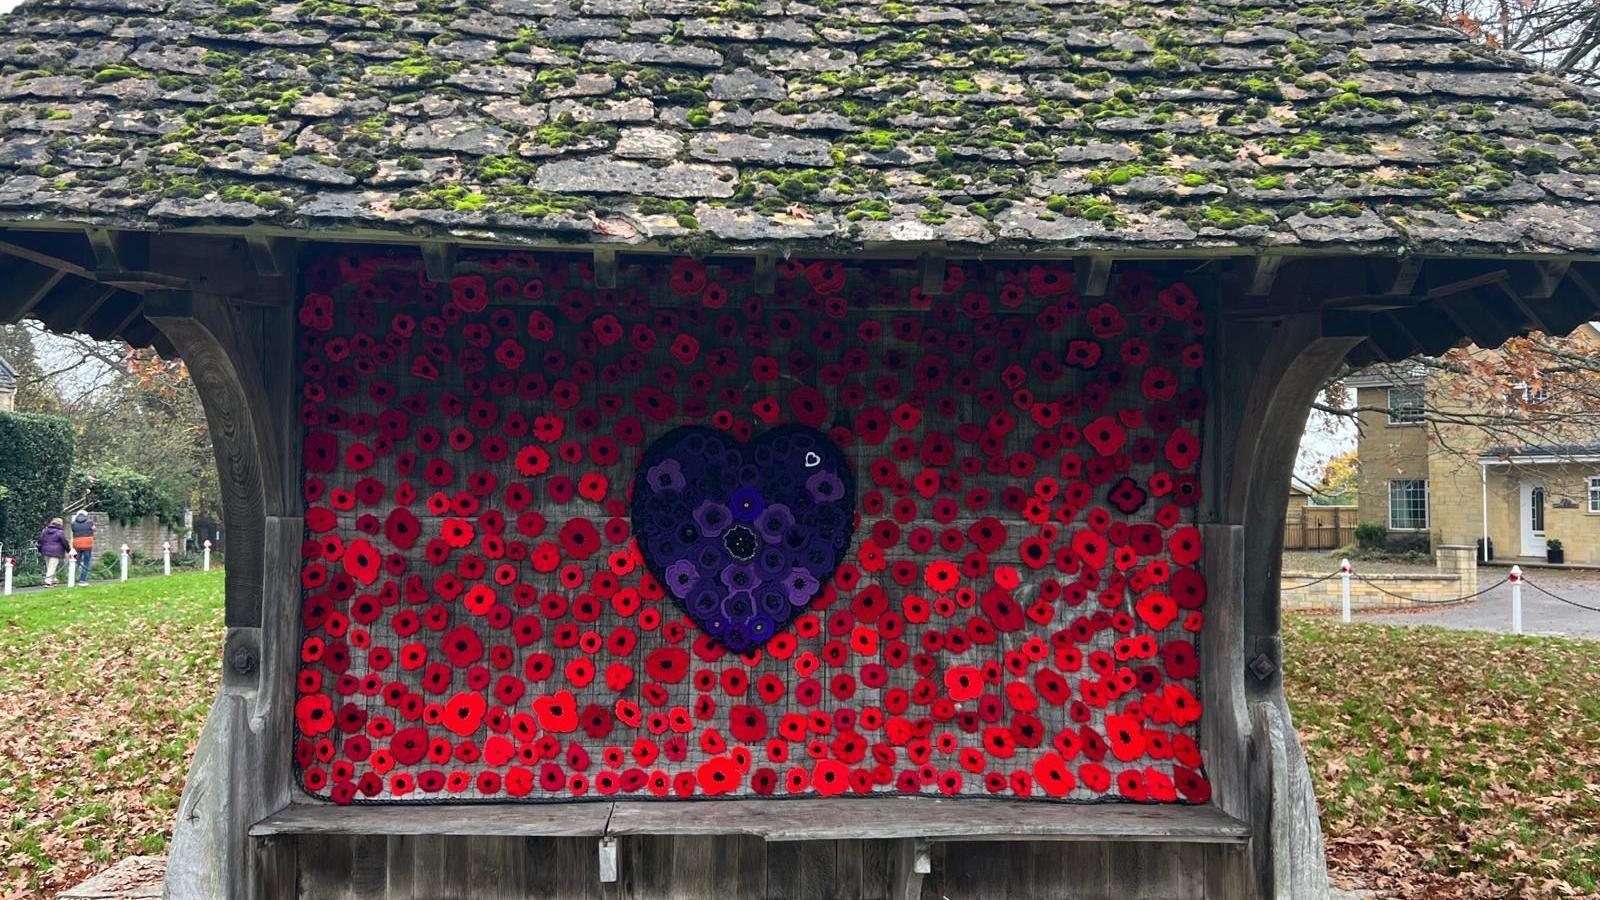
(1553, 552)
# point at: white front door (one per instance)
(1532, 516)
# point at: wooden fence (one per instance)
(1319, 527)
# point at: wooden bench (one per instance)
(907, 827)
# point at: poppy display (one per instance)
(687, 537)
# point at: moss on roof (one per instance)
(1054, 123)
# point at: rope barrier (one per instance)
(1559, 597)
(1382, 590)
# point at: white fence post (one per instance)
(11, 563)
(126, 553)
(166, 557)
(1344, 578)
(1516, 599)
(72, 568)
(205, 557)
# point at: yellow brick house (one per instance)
(1436, 469)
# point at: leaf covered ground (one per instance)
(102, 694)
(1449, 765)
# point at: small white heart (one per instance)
(812, 459)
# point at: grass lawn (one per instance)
(102, 695)
(1448, 764)
(1451, 764)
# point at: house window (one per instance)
(1594, 493)
(1405, 405)
(1531, 396)
(1408, 505)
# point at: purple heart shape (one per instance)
(743, 536)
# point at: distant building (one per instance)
(1441, 482)
(1299, 498)
(8, 386)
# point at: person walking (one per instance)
(53, 547)
(83, 542)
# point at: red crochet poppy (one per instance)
(954, 648)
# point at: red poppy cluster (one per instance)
(1017, 614)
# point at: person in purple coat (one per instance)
(53, 546)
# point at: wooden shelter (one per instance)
(445, 271)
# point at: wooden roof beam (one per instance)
(1530, 314)
(1386, 323)
(1431, 331)
(1585, 279)
(1471, 315)
(73, 303)
(54, 256)
(1469, 283)
(1391, 344)
(119, 311)
(30, 283)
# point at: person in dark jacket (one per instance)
(83, 542)
(53, 546)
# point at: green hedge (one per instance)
(35, 460)
(126, 496)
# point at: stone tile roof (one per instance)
(1094, 124)
(1541, 453)
(8, 376)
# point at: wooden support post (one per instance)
(103, 243)
(766, 275)
(439, 261)
(913, 863)
(268, 254)
(605, 268)
(1093, 275)
(1405, 278)
(933, 266)
(1551, 274)
(1264, 275)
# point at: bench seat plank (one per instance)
(505, 820)
(778, 820)
(930, 818)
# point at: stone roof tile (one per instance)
(977, 122)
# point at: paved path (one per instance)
(1492, 611)
(100, 582)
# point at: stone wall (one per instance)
(144, 536)
(1455, 575)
